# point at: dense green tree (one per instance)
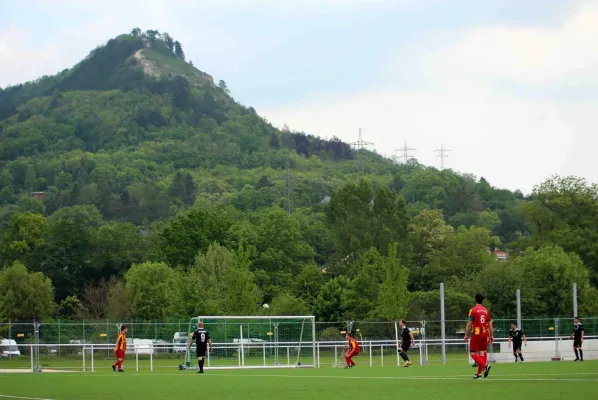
(242, 295)
(394, 295)
(362, 217)
(25, 232)
(331, 304)
(25, 295)
(308, 283)
(178, 50)
(564, 211)
(191, 232)
(65, 257)
(548, 276)
(117, 246)
(428, 236)
(151, 290)
(118, 306)
(69, 309)
(287, 304)
(169, 42)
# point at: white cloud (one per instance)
(526, 55)
(19, 61)
(513, 141)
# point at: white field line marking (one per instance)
(455, 378)
(22, 398)
(515, 377)
(495, 377)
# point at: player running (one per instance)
(406, 341)
(202, 339)
(577, 339)
(119, 349)
(353, 350)
(482, 333)
(517, 336)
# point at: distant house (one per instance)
(501, 255)
(38, 195)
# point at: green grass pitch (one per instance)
(543, 380)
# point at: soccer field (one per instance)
(549, 380)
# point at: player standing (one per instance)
(406, 341)
(202, 339)
(353, 350)
(119, 349)
(482, 333)
(517, 336)
(577, 339)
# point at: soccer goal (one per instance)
(257, 342)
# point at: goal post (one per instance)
(258, 341)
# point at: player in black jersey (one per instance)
(577, 339)
(406, 342)
(517, 336)
(202, 339)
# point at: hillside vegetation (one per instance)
(164, 198)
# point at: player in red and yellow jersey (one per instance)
(480, 322)
(119, 349)
(353, 350)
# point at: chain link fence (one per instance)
(105, 332)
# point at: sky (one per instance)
(509, 87)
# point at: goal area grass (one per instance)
(542, 380)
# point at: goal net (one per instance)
(257, 342)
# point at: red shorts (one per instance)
(120, 354)
(478, 343)
(352, 353)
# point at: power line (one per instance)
(288, 178)
(442, 156)
(360, 144)
(405, 150)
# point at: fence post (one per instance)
(442, 324)
(264, 350)
(31, 356)
(370, 354)
(92, 363)
(424, 340)
(382, 355)
(152, 359)
(556, 339)
(397, 343)
(84, 366)
(318, 352)
(136, 359)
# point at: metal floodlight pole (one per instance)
(575, 300)
(442, 323)
(36, 365)
(518, 293)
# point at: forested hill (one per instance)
(136, 157)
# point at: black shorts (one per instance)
(576, 342)
(516, 346)
(201, 351)
(405, 346)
